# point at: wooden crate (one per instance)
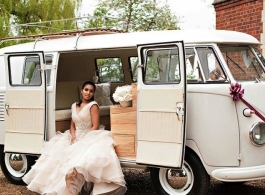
(63, 125)
(126, 145)
(123, 120)
(123, 127)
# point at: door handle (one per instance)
(6, 108)
(180, 110)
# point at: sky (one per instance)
(193, 14)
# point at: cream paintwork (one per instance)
(159, 129)
(25, 116)
(212, 116)
(25, 120)
(239, 174)
(222, 151)
(2, 112)
(126, 40)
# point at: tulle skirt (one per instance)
(89, 163)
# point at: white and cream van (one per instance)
(183, 125)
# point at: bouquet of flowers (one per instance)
(123, 93)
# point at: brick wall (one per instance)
(240, 15)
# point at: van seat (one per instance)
(66, 94)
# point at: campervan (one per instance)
(197, 107)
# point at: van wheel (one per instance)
(15, 166)
(191, 180)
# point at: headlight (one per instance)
(257, 134)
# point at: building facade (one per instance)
(242, 15)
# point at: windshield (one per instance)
(243, 63)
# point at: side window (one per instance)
(32, 75)
(210, 65)
(48, 60)
(193, 72)
(162, 65)
(133, 61)
(24, 70)
(110, 69)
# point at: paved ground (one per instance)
(138, 183)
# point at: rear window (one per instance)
(110, 69)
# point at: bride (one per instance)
(82, 158)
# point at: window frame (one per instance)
(164, 47)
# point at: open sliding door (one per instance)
(161, 105)
(25, 102)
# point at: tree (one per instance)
(34, 11)
(134, 15)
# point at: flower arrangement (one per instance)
(123, 93)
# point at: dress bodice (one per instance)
(82, 119)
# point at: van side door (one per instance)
(161, 104)
(25, 103)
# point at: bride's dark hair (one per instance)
(83, 86)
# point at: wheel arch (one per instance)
(192, 147)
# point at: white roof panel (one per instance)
(132, 39)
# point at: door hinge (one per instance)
(239, 157)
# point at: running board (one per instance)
(130, 163)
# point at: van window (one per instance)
(162, 66)
(133, 61)
(210, 65)
(242, 62)
(193, 71)
(194, 74)
(110, 69)
(24, 70)
(48, 61)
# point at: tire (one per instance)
(191, 180)
(15, 166)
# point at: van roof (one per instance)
(124, 40)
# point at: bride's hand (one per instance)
(73, 139)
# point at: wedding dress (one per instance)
(89, 163)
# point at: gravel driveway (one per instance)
(138, 183)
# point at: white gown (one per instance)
(64, 168)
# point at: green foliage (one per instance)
(190, 75)
(33, 11)
(110, 69)
(134, 15)
(30, 72)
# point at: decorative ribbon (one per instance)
(237, 94)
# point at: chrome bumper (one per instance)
(239, 174)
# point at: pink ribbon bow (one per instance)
(237, 94)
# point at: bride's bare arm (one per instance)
(94, 112)
(72, 130)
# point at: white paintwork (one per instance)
(212, 116)
(25, 121)
(158, 127)
(124, 40)
(217, 131)
(239, 174)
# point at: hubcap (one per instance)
(16, 164)
(177, 182)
